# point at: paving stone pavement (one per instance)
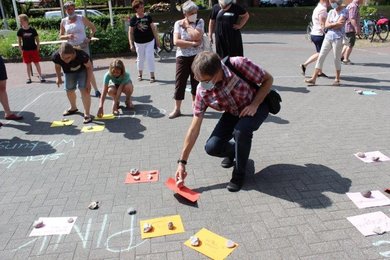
(293, 205)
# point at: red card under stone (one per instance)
(184, 191)
(143, 177)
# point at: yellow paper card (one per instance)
(160, 226)
(211, 245)
(105, 117)
(94, 128)
(62, 123)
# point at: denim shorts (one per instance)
(75, 79)
(317, 40)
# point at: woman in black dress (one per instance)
(226, 20)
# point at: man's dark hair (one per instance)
(206, 63)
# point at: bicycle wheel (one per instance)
(383, 31)
(167, 42)
(372, 32)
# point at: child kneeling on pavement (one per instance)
(116, 81)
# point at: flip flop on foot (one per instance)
(70, 112)
(310, 82)
(322, 75)
(87, 119)
(174, 114)
(13, 117)
(115, 113)
(336, 83)
(303, 68)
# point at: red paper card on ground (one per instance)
(143, 177)
(184, 191)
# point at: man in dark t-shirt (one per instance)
(77, 69)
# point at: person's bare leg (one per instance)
(28, 67)
(128, 90)
(313, 79)
(38, 67)
(71, 94)
(347, 53)
(4, 98)
(176, 111)
(93, 82)
(337, 78)
(86, 98)
(311, 59)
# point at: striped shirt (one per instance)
(233, 94)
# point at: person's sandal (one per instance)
(303, 68)
(152, 79)
(139, 78)
(174, 114)
(70, 112)
(87, 119)
(336, 83)
(310, 82)
(28, 81)
(115, 113)
(322, 75)
(14, 117)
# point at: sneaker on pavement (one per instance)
(97, 93)
(227, 162)
(235, 185)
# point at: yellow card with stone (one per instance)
(161, 226)
(92, 128)
(63, 122)
(212, 245)
(105, 117)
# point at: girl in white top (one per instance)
(187, 36)
(317, 33)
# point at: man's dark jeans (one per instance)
(241, 129)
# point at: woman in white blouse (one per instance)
(187, 36)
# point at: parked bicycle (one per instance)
(167, 39)
(372, 27)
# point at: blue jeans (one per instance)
(241, 129)
(75, 79)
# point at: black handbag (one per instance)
(273, 98)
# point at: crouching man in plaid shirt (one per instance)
(244, 112)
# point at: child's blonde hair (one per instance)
(117, 64)
(23, 17)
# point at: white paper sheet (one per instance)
(369, 222)
(53, 226)
(377, 199)
(369, 155)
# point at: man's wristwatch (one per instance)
(184, 162)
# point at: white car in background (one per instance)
(57, 14)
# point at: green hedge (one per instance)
(114, 40)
